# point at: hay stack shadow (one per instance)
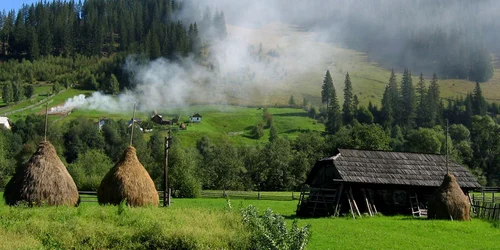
(44, 180)
(449, 201)
(128, 180)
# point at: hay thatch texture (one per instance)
(44, 180)
(128, 180)
(449, 201)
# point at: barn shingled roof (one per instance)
(398, 168)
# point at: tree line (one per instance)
(90, 151)
(414, 118)
(400, 124)
(100, 28)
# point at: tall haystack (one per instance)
(128, 180)
(449, 201)
(44, 180)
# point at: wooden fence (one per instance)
(486, 210)
(91, 196)
(486, 203)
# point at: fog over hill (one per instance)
(271, 43)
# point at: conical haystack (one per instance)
(449, 201)
(44, 180)
(128, 180)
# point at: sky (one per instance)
(14, 4)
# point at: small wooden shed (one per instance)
(377, 181)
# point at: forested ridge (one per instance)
(86, 45)
(97, 28)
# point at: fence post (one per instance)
(292, 196)
(258, 195)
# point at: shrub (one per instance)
(269, 231)
(257, 131)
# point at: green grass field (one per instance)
(209, 223)
(222, 122)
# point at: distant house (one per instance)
(4, 121)
(101, 123)
(195, 118)
(158, 119)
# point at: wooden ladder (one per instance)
(415, 207)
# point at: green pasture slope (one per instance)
(210, 223)
(221, 122)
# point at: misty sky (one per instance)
(8, 5)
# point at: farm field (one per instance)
(209, 222)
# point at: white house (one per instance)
(4, 121)
(195, 118)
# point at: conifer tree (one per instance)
(408, 103)
(422, 102)
(348, 105)
(291, 101)
(395, 97)
(433, 101)
(326, 89)
(479, 103)
(387, 114)
(113, 85)
(334, 117)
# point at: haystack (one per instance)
(449, 201)
(44, 180)
(128, 180)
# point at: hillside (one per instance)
(307, 56)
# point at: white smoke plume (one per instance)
(264, 54)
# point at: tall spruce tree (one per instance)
(334, 117)
(326, 89)
(348, 105)
(479, 103)
(408, 102)
(422, 115)
(395, 97)
(390, 112)
(433, 101)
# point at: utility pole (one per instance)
(46, 121)
(132, 127)
(166, 190)
(447, 170)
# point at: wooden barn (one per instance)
(363, 181)
(158, 119)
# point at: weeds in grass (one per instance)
(269, 231)
(122, 208)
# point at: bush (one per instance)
(89, 169)
(270, 231)
(257, 131)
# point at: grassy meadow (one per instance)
(222, 122)
(210, 223)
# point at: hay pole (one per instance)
(447, 170)
(166, 190)
(46, 121)
(132, 126)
